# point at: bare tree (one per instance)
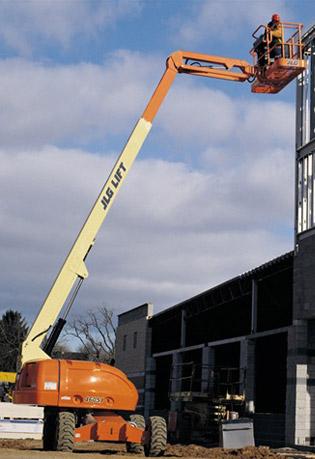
(96, 333)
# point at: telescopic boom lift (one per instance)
(70, 389)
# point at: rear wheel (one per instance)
(138, 421)
(157, 429)
(49, 429)
(65, 425)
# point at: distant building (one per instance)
(68, 355)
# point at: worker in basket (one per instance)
(273, 35)
(275, 31)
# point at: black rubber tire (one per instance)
(49, 429)
(65, 425)
(157, 429)
(139, 421)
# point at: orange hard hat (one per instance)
(276, 17)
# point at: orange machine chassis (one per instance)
(110, 426)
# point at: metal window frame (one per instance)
(305, 142)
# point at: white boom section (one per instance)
(74, 266)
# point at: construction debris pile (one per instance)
(220, 453)
(191, 451)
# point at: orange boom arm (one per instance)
(224, 68)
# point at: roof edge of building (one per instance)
(246, 274)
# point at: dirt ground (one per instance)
(32, 449)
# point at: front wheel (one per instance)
(138, 421)
(157, 430)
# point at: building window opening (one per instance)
(305, 105)
(306, 202)
(124, 342)
(135, 339)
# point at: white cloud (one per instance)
(172, 232)
(26, 24)
(84, 103)
(239, 127)
(176, 228)
(48, 104)
(197, 114)
(221, 20)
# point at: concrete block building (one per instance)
(134, 342)
(251, 339)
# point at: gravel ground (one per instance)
(32, 449)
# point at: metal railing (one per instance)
(290, 45)
(190, 379)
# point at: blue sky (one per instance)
(150, 26)
(211, 194)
